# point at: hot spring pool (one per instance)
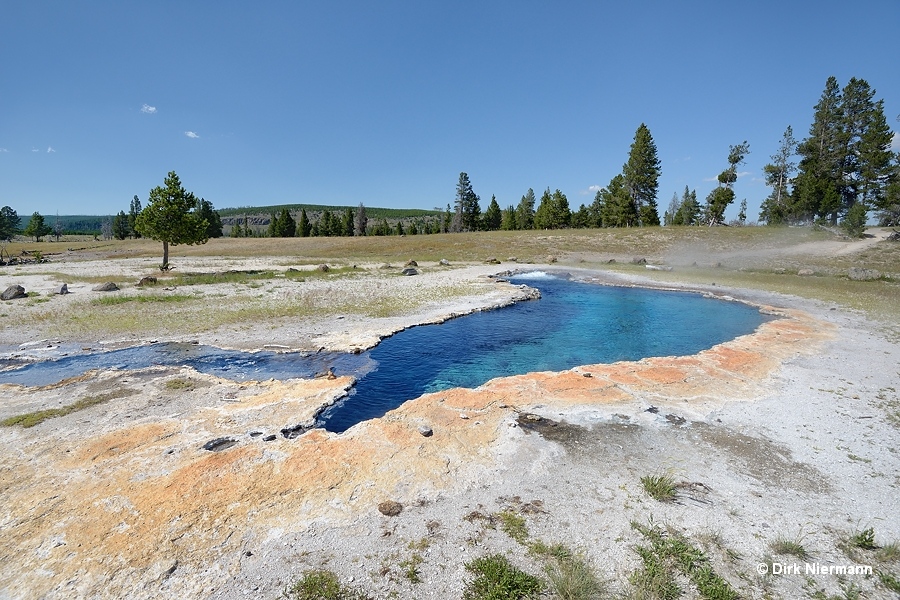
(572, 324)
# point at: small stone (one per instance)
(324, 268)
(860, 274)
(512, 259)
(409, 272)
(390, 508)
(270, 438)
(806, 272)
(586, 375)
(146, 281)
(13, 292)
(638, 260)
(611, 261)
(109, 286)
(779, 271)
(551, 259)
(411, 263)
(425, 430)
(492, 260)
(463, 416)
(444, 262)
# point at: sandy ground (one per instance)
(791, 432)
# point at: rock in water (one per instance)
(109, 286)
(13, 292)
(389, 508)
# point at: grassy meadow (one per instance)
(751, 257)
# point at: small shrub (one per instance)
(497, 579)
(660, 487)
(322, 585)
(864, 539)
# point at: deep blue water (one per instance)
(572, 324)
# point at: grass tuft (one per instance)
(322, 585)
(660, 487)
(789, 547)
(570, 577)
(35, 418)
(513, 525)
(497, 579)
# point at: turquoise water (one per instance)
(572, 324)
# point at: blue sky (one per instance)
(386, 102)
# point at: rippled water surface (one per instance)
(573, 324)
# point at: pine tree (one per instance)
(171, 217)
(508, 222)
(120, 226)
(493, 218)
(133, 211)
(467, 204)
(641, 176)
(617, 208)
(36, 227)
(775, 209)
(719, 199)
(525, 211)
(9, 223)
(303, 226)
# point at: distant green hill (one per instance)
(92, 224)
(371, 212)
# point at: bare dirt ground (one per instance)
(790, 434)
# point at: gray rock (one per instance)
(860, 274)
(806, 272)
(324, 268)
(411, 263)
(425, 430)
(61, 290)
(492, 260)
(409, 271)
(109, 286)
(444, 262)
(512, 259)
(13, 292)
(638, 260)
(779, 271)
(146, 281)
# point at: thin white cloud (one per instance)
(3, 150)
(147, 109)
(191, 134)
(743, 174)
(50, 149)
(35, 150)
(595, 188)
